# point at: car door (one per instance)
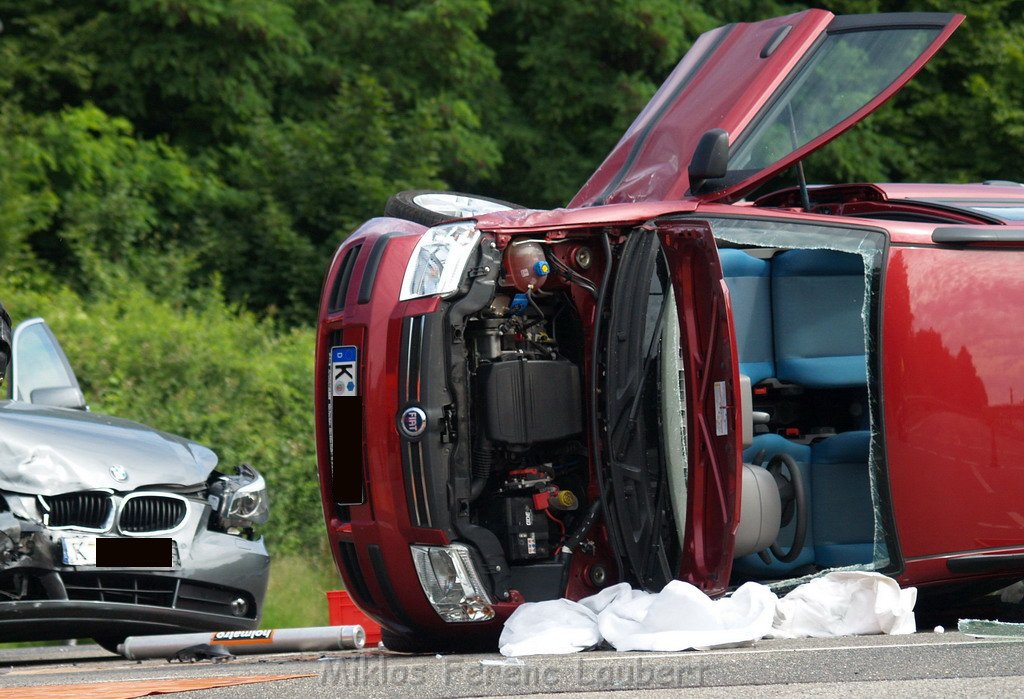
(781, 88)
(954, 418)
(40, 371)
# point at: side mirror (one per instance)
(710, 159)
(5, 342)
(59, 397)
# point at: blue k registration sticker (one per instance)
(344, 371)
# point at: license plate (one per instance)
(79, 550)
(345, 371)
(345, 427)
(150, 553)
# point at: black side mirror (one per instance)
(710, 159)
(5, 342)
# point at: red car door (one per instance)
(954, 385)
(781, 88)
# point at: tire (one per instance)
(430, 207)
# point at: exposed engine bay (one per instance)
(528, 495)
(524, 351)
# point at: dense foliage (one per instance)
(177, 173)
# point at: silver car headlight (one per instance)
(242, 499)
(439, 259)
(451, 583)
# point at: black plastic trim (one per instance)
(776, 40)
(410, 381)
(986, 564)
(395, 609)
(889, 20)
(340, 292)
(965, 235)
(350, 559)
(373, 264)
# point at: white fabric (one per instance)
(846, 604)
(681, 617)
(549, 628)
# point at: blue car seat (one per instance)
(749, 282)
(843, 515)
(817, 301)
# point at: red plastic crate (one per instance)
(342, 611)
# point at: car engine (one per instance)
(530, 469)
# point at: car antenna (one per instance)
(805, 197)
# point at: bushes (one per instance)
(216, 374)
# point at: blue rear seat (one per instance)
(749, 282)
(843, 515)
(817, 300)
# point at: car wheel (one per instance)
(109, 643)
(430, 207)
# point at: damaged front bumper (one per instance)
(50, 589)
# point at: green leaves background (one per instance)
(175, 174)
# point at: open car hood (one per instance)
(781, 88)
(48, 451)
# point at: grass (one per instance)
(296, 593)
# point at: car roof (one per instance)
(995, 201)
(976, 191)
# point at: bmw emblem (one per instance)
(119, 473)
(413, 422)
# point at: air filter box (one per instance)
(526, 401)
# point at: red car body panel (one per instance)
(953, 375)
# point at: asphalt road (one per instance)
(924, 664)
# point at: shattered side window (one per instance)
(777, 242)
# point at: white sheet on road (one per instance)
(681, 617)
(846, 604)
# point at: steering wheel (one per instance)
(794, 503)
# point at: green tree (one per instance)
(577, 75)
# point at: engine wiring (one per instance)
(561, 528)
(573, 275)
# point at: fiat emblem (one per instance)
(119, 473)
(413, 422)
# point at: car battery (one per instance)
(526, 532)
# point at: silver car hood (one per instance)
(48, 451)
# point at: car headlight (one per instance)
(439, 259)
(241, 500)
(451, 583)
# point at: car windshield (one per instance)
(799, 114)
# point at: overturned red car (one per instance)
(664, 380)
